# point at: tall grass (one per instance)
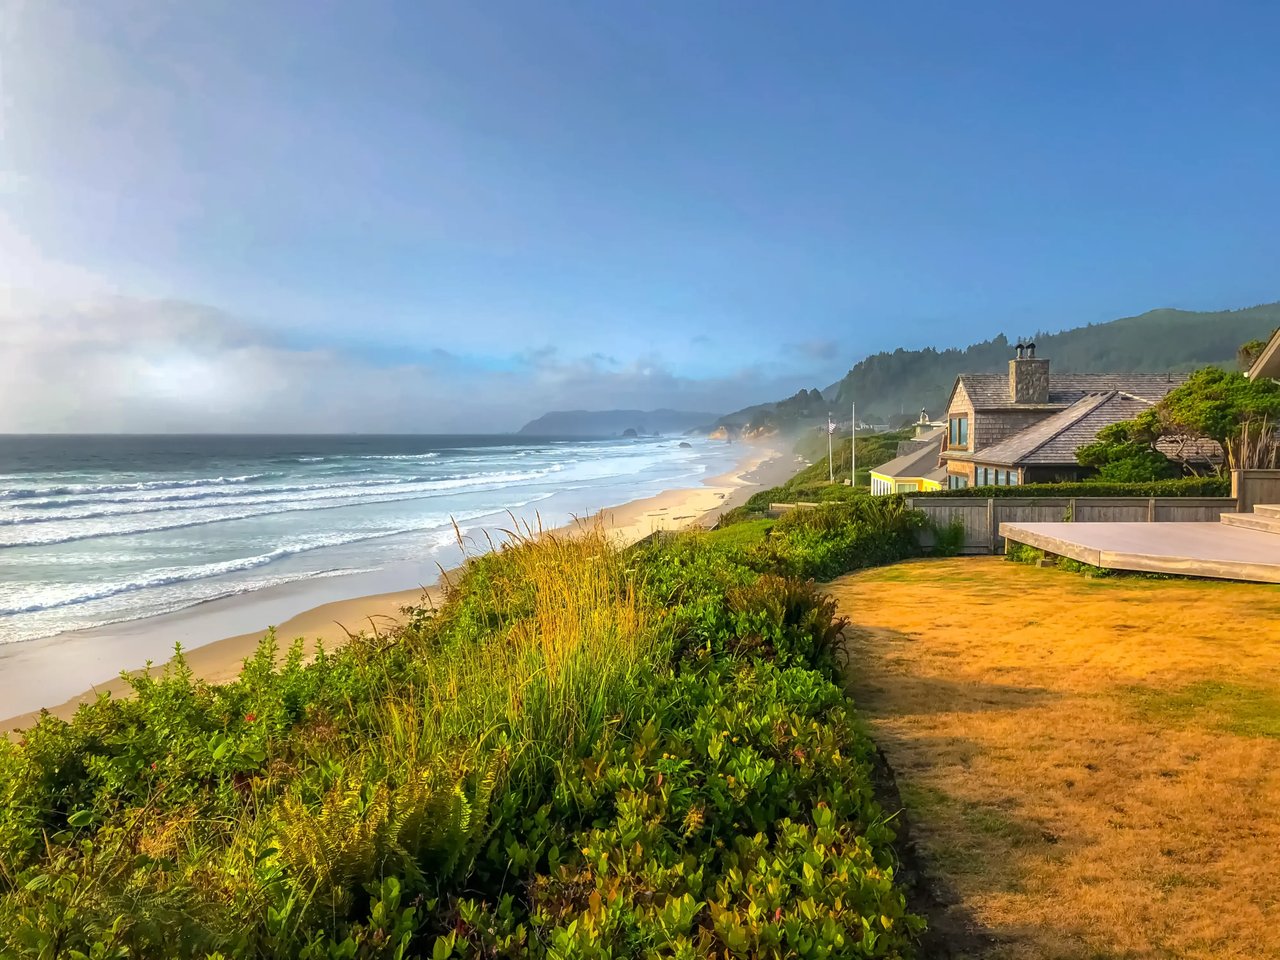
(572, 634)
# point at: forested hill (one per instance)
(904, 381)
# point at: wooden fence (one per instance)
(1251, 487)
(981, 517)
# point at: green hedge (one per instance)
(1186, 487)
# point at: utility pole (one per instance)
(853, 444)
(831, 465)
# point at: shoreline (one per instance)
(219, 660)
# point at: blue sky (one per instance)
(514, 205)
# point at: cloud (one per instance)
(26, 267)
(121, 364)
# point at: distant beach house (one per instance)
(1268, 362)
(1027, 426)
(915, 469)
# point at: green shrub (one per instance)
(738, 822)
(948, 539)
(741, 534)
(788, 620)
(832, 539)
(1021, 553)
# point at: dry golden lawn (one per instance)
(1089, 768)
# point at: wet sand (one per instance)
(60, 673)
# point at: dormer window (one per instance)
(958, 433)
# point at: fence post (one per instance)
(1071, 509)
(1151, 510)
(991, 523)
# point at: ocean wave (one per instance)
(195, 499)
(176, 604)
(400, 456)
(174, 576)
(477, 484)
(71, 489)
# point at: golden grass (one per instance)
(1091, 768)
(562, 665)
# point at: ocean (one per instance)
(103, 529)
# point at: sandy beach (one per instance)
(60, 673)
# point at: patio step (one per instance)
(1253, 521)
(1267, 509)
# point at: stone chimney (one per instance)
(1028, 376)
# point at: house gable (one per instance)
(959, 395)
(1268, 362)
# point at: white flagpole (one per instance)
(853, 444)
(831, 466)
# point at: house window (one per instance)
(956, 483)
(907, 488)
(1013, 478)
(958, 435)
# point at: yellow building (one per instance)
(914, 470)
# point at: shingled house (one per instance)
(1026, 427)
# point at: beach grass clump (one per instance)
(584, 752)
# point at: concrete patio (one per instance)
(1219, 550)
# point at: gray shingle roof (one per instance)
(1055, 439)
(990, 391)
(1191, 449)
(906, 447)
(918, 463)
